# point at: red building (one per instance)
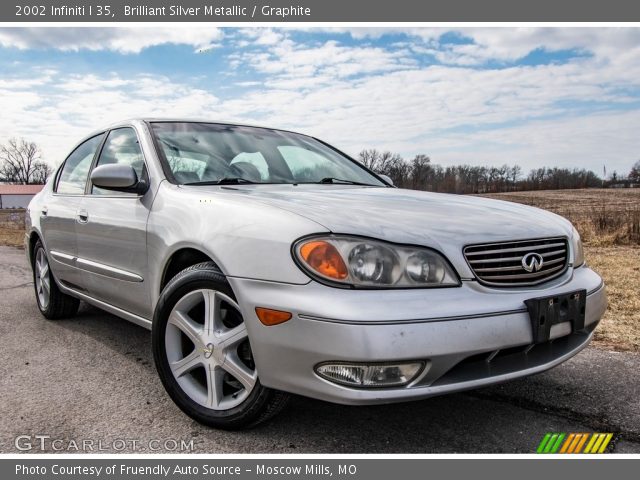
(17, 196)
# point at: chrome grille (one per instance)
(500, 264)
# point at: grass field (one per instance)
(603, 216)
(608, 221)
(620, 268)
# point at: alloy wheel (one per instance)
(42, 278)
(208, 349)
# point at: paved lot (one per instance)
(92, 378)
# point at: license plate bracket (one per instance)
(544, 312)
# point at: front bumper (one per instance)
(468, 336)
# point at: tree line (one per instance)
(419, 173)
(21, 163)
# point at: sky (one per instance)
(556, 97)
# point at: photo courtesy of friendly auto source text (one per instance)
(314, 239)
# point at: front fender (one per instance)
(246, 239)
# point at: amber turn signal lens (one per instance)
(324, 258)
(272, 317)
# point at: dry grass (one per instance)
(619, 266)
(603, 217)
(12, 227)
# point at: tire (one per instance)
(202, 353)
(52, 303)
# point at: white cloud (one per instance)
(67, 107)
(506, 44)
(292, 65)
(512, 44)
(120, 39)
(363, 94)
(262, 36)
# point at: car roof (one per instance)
(144, 120)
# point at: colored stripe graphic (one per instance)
(556, 446)
(577, 446)
(576, 439)
(582, 442)
(565, 447)
(543, 443)
(605, 444)
(557, 442)
(596, 446)
(590, 444)
(598, 443)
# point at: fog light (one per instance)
(371, 376)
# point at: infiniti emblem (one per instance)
(532, 262)
(208, 350)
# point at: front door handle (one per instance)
(83, 216)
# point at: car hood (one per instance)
(442, 221)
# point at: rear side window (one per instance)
(75, 170)
(121, 147)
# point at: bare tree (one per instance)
(387, 163)
(420, 169)
(377, 161)
(41, 173)
(634, 174)
(369, 158)
(21, 162)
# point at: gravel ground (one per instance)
(92, 378)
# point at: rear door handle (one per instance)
(44, 211)
(83, 216)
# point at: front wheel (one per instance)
(203, 355)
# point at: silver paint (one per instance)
(113, 250)
(114, 175)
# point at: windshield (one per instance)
(207, 153)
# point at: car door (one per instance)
(58, 214)
(112, 232)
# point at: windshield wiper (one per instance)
(347, 182)
(223, 181)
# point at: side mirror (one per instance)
(118, 177)
(386, 178)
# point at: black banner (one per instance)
(313, 468)
(318, 11)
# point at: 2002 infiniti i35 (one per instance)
(266, 262)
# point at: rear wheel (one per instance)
(53, 304)
(203, 354)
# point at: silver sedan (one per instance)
(266, 262)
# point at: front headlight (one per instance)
(367, 263)
(576, 246)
